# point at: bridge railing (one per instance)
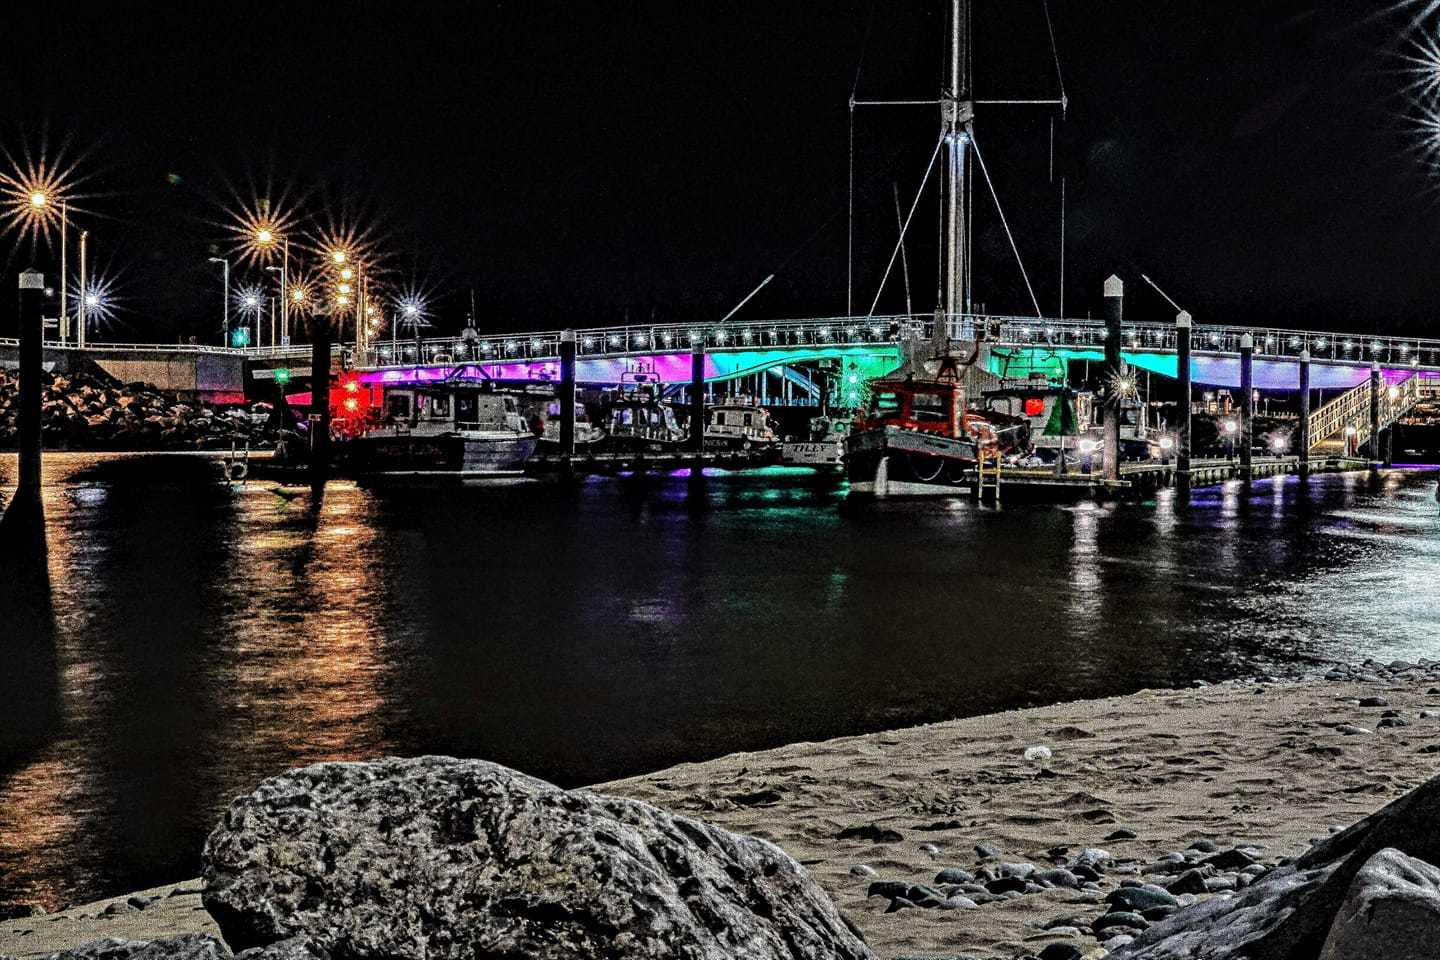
(102, 347)
(1269, 342)
(1071, 334)
(601, 342)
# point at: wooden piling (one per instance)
(1247, 407)
(1114, 314)
(32, 332)
(1182, 439)
(1302, 446)
(697, 397)
(320, 401)
(1375, 388)
(567, 395)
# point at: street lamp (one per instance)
(1230, 429)
(225, 317)
(265, 238)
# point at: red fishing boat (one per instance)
(917, 437)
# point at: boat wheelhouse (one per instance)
(588, 436)
(635, 421)
(738, 423)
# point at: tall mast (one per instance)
(957, 112)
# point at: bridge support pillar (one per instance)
(1247, 407)
(1182, 428)
(1114, 370)
(1375, 415)
(697, 398)
(1302, 442)
(320, 402)
(567, 395)
(32, 330)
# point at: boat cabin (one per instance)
(449, 409)
(929, 406)
(639, 415)
(741, 419)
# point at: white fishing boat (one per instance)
(739, 423)
(455, 431)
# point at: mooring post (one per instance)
(1247, 406)
(697, 397)
(1114, 371)
(1182, 368)
(567, 395)
(320, 401)
(1375, 415)
(1303, 435)
(32, 331)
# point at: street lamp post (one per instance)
(65, 274)
(225, 315)
(284, 307)
(284, 298)
(83, 314)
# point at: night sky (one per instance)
(583, 164)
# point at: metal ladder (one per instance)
(989, 479)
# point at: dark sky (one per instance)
(581, 163)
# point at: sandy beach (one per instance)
(1269, 765)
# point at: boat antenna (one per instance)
(1178, 308)
(904, 261)
(752, 293)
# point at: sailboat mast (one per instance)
(957, 111)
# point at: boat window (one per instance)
(749, 420)
(467, 410)
(439, 408)
(398, 405)
(720, 418)
(929, 406)
(887, 403)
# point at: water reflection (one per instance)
(201, 638)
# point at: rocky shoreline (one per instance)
(93, 411)
(1077, 830)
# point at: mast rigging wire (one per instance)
(1006, 224)
(929, 167)
(1055, 52)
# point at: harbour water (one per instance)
(198, 638)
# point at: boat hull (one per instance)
(892, 461)
(825, 453)
(472, 454)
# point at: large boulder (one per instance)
(1393, 911)
(1289, 914)
(190, 946)
(432, 857)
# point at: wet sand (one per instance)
(1256, 764)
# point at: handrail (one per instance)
(1352, 408)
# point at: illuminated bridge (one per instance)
(1019, 346)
